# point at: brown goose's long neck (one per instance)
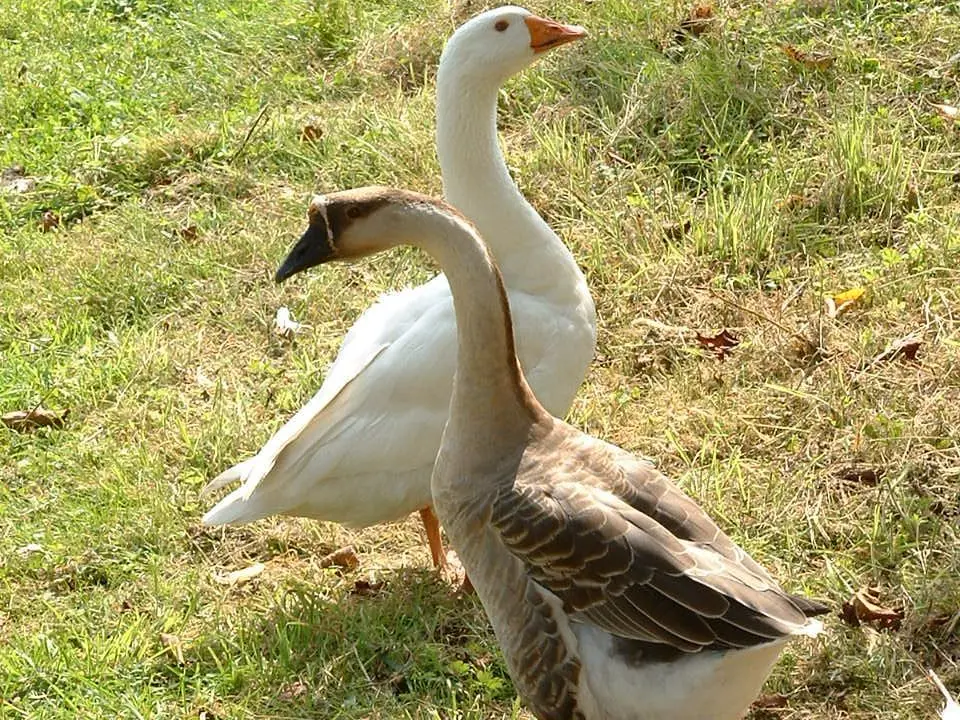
(489, 390)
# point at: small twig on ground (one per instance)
(680, 330)
(664, 285)
(250, 130)
(763, 316)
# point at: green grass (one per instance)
(705, 185)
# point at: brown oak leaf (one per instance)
(903, 349)
(774, 700)
(345, 557)
(366, 587)
(809, 60)
(721, 343)
(864, 608)
(702, 17)
(49, 221)
(24, 420)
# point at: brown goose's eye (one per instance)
(501, 25)
(353, 212)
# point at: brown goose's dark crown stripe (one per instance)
(347, 206)
(355, 204)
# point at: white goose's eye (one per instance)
(501, 25)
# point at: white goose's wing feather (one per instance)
(361, 451)
(361, 413)
(626, 551)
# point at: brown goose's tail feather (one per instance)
(810, 608)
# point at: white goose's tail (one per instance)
(235, 507)
(238, 473)
(270, 477)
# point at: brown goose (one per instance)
(613, 595)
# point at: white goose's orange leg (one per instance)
(432, 525)
(440, 559)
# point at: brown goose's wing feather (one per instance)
(627, 551)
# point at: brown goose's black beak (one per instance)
(313, 248)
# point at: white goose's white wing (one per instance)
(362, 450)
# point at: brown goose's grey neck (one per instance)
(489, 386)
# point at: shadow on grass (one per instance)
(349, 648)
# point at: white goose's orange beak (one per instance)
(547, 34)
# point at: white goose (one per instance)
(362, 450)
(613, 595)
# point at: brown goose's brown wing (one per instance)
(626, 550)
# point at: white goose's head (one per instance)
(499, 43)
(355, 223)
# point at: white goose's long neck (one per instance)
(476, 181)
(490, 395)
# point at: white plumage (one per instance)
(362, 450)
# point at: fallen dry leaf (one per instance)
(841, 302)
(49, 221)
(239, 577)
(366, 587)
(293, 690)
(905, 349)
(951, 711)
(345, 557)
(767, 702)
(721, 344)
(860, 475)
(702, 17)
(810, 60)
(864, 608)
(173, 646)
(677, 231)
(311, 132)
(24, 420)
(14, 179)
(188, 232)
(947, 112)
(284, 324)
(30, 549)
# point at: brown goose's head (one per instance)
(352, 224)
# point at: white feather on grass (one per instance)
(951, 711)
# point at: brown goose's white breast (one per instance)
(704, 686)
